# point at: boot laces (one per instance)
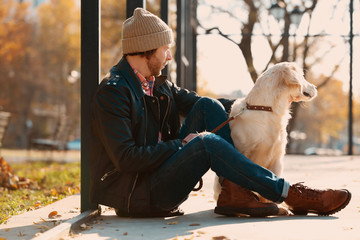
(306, 192)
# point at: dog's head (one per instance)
(287, 78)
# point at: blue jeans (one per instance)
(175, 179)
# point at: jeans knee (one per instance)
(210, 138)
(216, 142)
(209, 102)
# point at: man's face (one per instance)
(159, 59)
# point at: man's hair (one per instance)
(146, 54)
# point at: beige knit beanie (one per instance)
(144, 31)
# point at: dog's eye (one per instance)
(306, 94)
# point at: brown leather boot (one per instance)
(303, 200)
(237, 201)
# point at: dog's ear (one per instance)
(292, 74)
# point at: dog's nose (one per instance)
(306, 94)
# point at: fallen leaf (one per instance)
(194, 224)
(2, 238)
(37, 205)
(54, 192)
(53, 214)
(6, 230)
(125, 233)
(220, 238)
(43, 227)
(172, 223)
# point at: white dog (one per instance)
(259, 131)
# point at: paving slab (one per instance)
(200, 222)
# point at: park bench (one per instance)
(58, 140)
(4, 122)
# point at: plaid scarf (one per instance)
(146, 83)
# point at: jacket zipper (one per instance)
(132, 191)
(145, 120)
(107, 174)
(166, 112)
(137, 174)
(158, 106)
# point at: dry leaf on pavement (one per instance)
(53, 214)
(172, 223)
(194, 224)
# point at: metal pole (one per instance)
(186, 45)
(132, 4)
(90, 74)
(164, 14)
(350, 150)
(164, 10)
(194, 44)
(180, 42)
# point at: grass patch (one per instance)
(54, 180)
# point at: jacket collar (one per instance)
(160, 80)
(123, 67)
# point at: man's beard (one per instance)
(155, 67)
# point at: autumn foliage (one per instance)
(11, 181)
(40, 47)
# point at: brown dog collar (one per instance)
(258, 108)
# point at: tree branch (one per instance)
(209, 31)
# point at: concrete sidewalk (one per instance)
(33, 223)
(199, 221)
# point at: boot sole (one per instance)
(252, 212)
(342, 206)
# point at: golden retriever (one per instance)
(261, 135)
